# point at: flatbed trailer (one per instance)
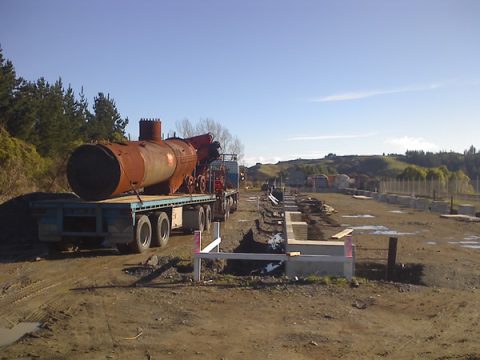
(131, 222)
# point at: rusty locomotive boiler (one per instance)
(160, 167)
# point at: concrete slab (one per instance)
(467, 209)
(440, 207)
(296, 241)
(422, 204)
(311, 247)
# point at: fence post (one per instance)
(197, 241)
(392, 258)
(216, 233)
(348, 253)
(197, 262)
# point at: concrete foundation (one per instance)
(289, 203)
(422, 204)
(442, 207)
(404, 200)
(382, 197)
(467, 209)
(296, 241)
(392, 199)
(310, 247)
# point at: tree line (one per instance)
(445, 164)
(40, 123)
(53, 118)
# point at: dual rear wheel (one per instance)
(149, 231)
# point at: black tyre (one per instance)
(143, 234)
(226, 215)
(208, 217)
(161, 230)
(201, 218)
(234, 206)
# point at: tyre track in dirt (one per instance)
(36, 300)
(37, 290)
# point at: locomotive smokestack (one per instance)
(150, 130)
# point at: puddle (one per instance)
(371, 227)
(471, 246)
(242, 220)
(358, 216)
(397, 212)
(9, 336)
(392, 233)
(431, 243)
(381, 230)
(469, 242)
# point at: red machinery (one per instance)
(100, 171)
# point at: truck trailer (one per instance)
(133, 194)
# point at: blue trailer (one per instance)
(132, 223)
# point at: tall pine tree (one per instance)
(105, 123)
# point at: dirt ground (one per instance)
(97, 304)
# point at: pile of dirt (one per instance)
(17, 223)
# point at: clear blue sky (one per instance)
(290, 78)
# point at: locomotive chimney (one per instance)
(150, 130)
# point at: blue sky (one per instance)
(291, 79)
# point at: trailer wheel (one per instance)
(234, 206)
(226, 214)
(161, 230)
(208, 217)
(193, 219)
(143, 234)
(201, 218)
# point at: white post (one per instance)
(348, 253)
(347, 244)
(197, 248)
(197, 265)
(216, 233)
(197, 241)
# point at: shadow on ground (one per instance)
(404, 273)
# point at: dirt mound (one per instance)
(18, 226)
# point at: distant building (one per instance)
(342, 181)
(322, 181)
(318, 181)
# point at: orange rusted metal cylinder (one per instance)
(100, 171)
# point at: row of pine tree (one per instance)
(41, 123)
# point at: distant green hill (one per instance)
(375, 166)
